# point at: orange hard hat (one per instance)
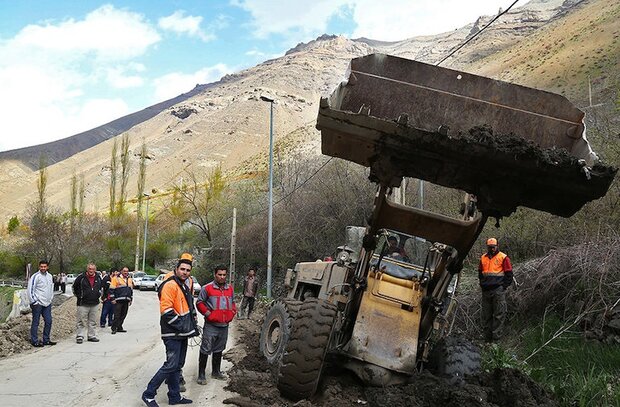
(186, 258)
(492, 241)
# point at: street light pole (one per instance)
(270, 217)
(146, 229)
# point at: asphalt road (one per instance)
(113, 372)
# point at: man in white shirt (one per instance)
(40, 294)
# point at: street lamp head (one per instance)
(267, 99)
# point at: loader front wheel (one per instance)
(454, 358)
(304, 355)
(276, 329)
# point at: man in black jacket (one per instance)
(87, 289)
(107, 309)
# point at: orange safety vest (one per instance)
(177, 313)
(121, 289)
(493, 266)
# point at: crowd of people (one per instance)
(178, 315)
(60, 282)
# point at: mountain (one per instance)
(225, 123)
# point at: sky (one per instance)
(67, 66)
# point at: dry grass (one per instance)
(561, 56)
(580, 284)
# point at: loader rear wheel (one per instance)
(454, 358)
(302, 362)
(276, 329)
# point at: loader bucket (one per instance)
(508, 144)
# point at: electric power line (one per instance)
(476, 34)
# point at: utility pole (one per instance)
(400, 193)
(233, 243)
(421, 194)
(270, 217)
(146, 230)
(137, 259)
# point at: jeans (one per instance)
(176, 350)
(107, 312)
(37, 311)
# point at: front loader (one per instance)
(382, 306)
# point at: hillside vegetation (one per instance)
(564, 55)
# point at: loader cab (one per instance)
(403, 256)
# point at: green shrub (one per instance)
(497, 357)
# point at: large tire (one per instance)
(302, 362)
(454, 358)
(276, 329)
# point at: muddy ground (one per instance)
(252, 378)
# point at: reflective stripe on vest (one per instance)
(494, 265)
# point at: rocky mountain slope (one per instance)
(226, 123)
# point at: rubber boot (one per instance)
(216, 363)
(202, 366)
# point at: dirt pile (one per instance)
(522, 149)
(519, 147)
(253, 379)
(15, 333)
(502, 387)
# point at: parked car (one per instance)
(137, 278)
(148, 283)
(197, 286)
(159, 280)
(70, 278)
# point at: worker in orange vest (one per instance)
(495, 274)
(178, 323)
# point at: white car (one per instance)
(70, 278)
(148, 283)
(197, 286)
(159, 280)
(137, 278)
